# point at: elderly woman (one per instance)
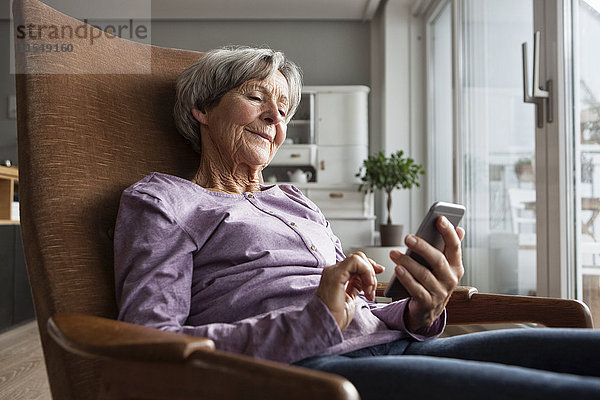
(258, 270)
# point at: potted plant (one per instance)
(524, 170)
(389, 173)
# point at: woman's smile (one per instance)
(263, 135)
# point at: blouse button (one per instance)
(313, 248)
(292, 223)
(250, 196)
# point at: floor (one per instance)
(22, 369)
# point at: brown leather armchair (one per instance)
(83, 138)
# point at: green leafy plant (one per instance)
(523, 163)
(389, 173)
(524, 169)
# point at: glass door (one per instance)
(493, 137)
(586, 128)
(440, 122)
(528, 175)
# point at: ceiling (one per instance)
(356, 10)
(265, 9)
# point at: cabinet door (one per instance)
(301, 129)
(6, 275)
(339, 164)
(342, 119)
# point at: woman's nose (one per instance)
(271, 114)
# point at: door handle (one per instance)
(538, 95)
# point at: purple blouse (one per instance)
(240, 269)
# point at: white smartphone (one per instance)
(428, 231)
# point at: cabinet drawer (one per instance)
(344, 203)
(295, 155)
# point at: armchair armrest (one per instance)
(142, 362)
(467, 306)
(87, 335)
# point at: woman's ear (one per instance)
(200, 116)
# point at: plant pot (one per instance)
(525, 173)
(391, 235)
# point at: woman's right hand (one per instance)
(341, 283)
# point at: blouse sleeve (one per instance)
(153, 277)
(393, 316)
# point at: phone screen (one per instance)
(428, 231)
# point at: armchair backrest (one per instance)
(82, 139)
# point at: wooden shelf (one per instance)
(9, 183)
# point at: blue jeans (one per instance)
(505, 364)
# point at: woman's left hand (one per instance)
(341, 284)
(430, 290)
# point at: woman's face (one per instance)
(249, 123)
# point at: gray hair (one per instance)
(203, 84)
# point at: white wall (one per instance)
(329, 53)
(398, 101)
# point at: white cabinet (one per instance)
(341, 202)
(340, 120)
(341, 131)
(352, 232)
(329, 137)
(301, 154)
(339, 164)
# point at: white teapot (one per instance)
(299, 176)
